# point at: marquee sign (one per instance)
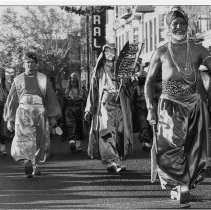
(98, 30)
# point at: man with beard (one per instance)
(31, 101)
(110, 136)
(74, 110)
(182, 128)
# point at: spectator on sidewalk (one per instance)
(140, 123)
(74, 111)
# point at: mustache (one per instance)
(179, 30)
(110, 57)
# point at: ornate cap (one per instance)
(110, 46)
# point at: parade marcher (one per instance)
(204, 89)
(111, 134)
(182, 128)
(140, 123)
(4, 134)
(74, 111)
(31, 101)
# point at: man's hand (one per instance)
(135, 77)
(11, 126)
(53, 122)
(87, 116)
(151, 117)
(125, 81)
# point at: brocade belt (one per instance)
(73, 102)
(110, 98)
(31, 100)
(178, 88)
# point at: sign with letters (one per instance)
(98, 30)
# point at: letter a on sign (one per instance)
(97, 31)
(96, 20)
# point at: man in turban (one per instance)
(182, 126)
(110, 136)
(31, 101)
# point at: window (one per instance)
(127, 36)
(161, 27)
(135, 29)
(135, 39)
(155, 33)
(117, 11)
(119, 44)
(209, 49)
(198, 24)
(146, 37)
(135, 35)
(150, 36)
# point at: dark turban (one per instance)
(175, 13)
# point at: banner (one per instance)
(127, 59)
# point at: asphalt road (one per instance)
(73, 181)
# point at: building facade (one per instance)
(147, 24)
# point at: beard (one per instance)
(110, 57)
(31, 72)
(179, 36)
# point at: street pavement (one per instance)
(73, 181)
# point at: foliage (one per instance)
(85, 10)
(50, 32)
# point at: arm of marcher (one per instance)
(92, 99)
(205, 58)
(11, 105)
(52, 106)
(149, 88)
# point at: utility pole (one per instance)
(87, 40)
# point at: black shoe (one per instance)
(72, 145)
(4, 152)
(122, 168)
(182, 194)
(36, 172)
(78, 150)
(111, 169)
(116, 168)
(146, 146)
(28, 169)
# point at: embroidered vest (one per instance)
(20, 84)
